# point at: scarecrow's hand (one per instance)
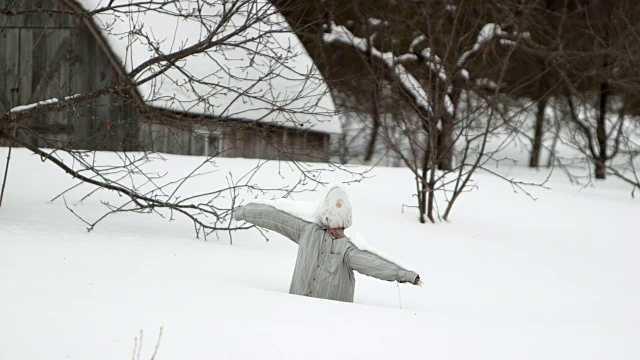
(235, 213)
(417, 282)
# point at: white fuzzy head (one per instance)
(335, 210)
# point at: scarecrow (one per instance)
(326, 257)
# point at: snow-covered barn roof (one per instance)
(254, 76)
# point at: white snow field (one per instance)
(507, 278)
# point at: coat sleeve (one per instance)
(370, 264)
(270, 218)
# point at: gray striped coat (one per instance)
(324, 267)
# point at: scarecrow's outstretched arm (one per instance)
(271, 218)
(370, 264)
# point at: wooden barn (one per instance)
(58, 54)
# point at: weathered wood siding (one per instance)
(270, 142)
(237, 140)
(53, 56)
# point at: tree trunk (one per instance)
(6, 171)
(430, 202)
(422, 181)
(431, 158)
(534, 161)
(422, 199)
(371, 146)
(601, 130)
(556, 137)
(343, 147)
(445, 143)
(600, 169)
(375, 115)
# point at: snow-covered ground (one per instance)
(508, 278)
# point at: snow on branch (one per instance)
(428, 56)
(32, 106)
(434, 63)
(488, 33)
(416, 42)
(376, 23)
(341, 35)
(28, 107)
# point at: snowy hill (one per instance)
(508, 278)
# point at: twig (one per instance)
(233, 203)
(140, 346)
(155, 352)
(135, 349)
(6, 171)
(90, 226)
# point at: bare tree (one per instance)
(448, 75)
(180, 64)
(592, 45)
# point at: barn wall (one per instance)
(269, 142)
(52, 56)
(237, 140)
